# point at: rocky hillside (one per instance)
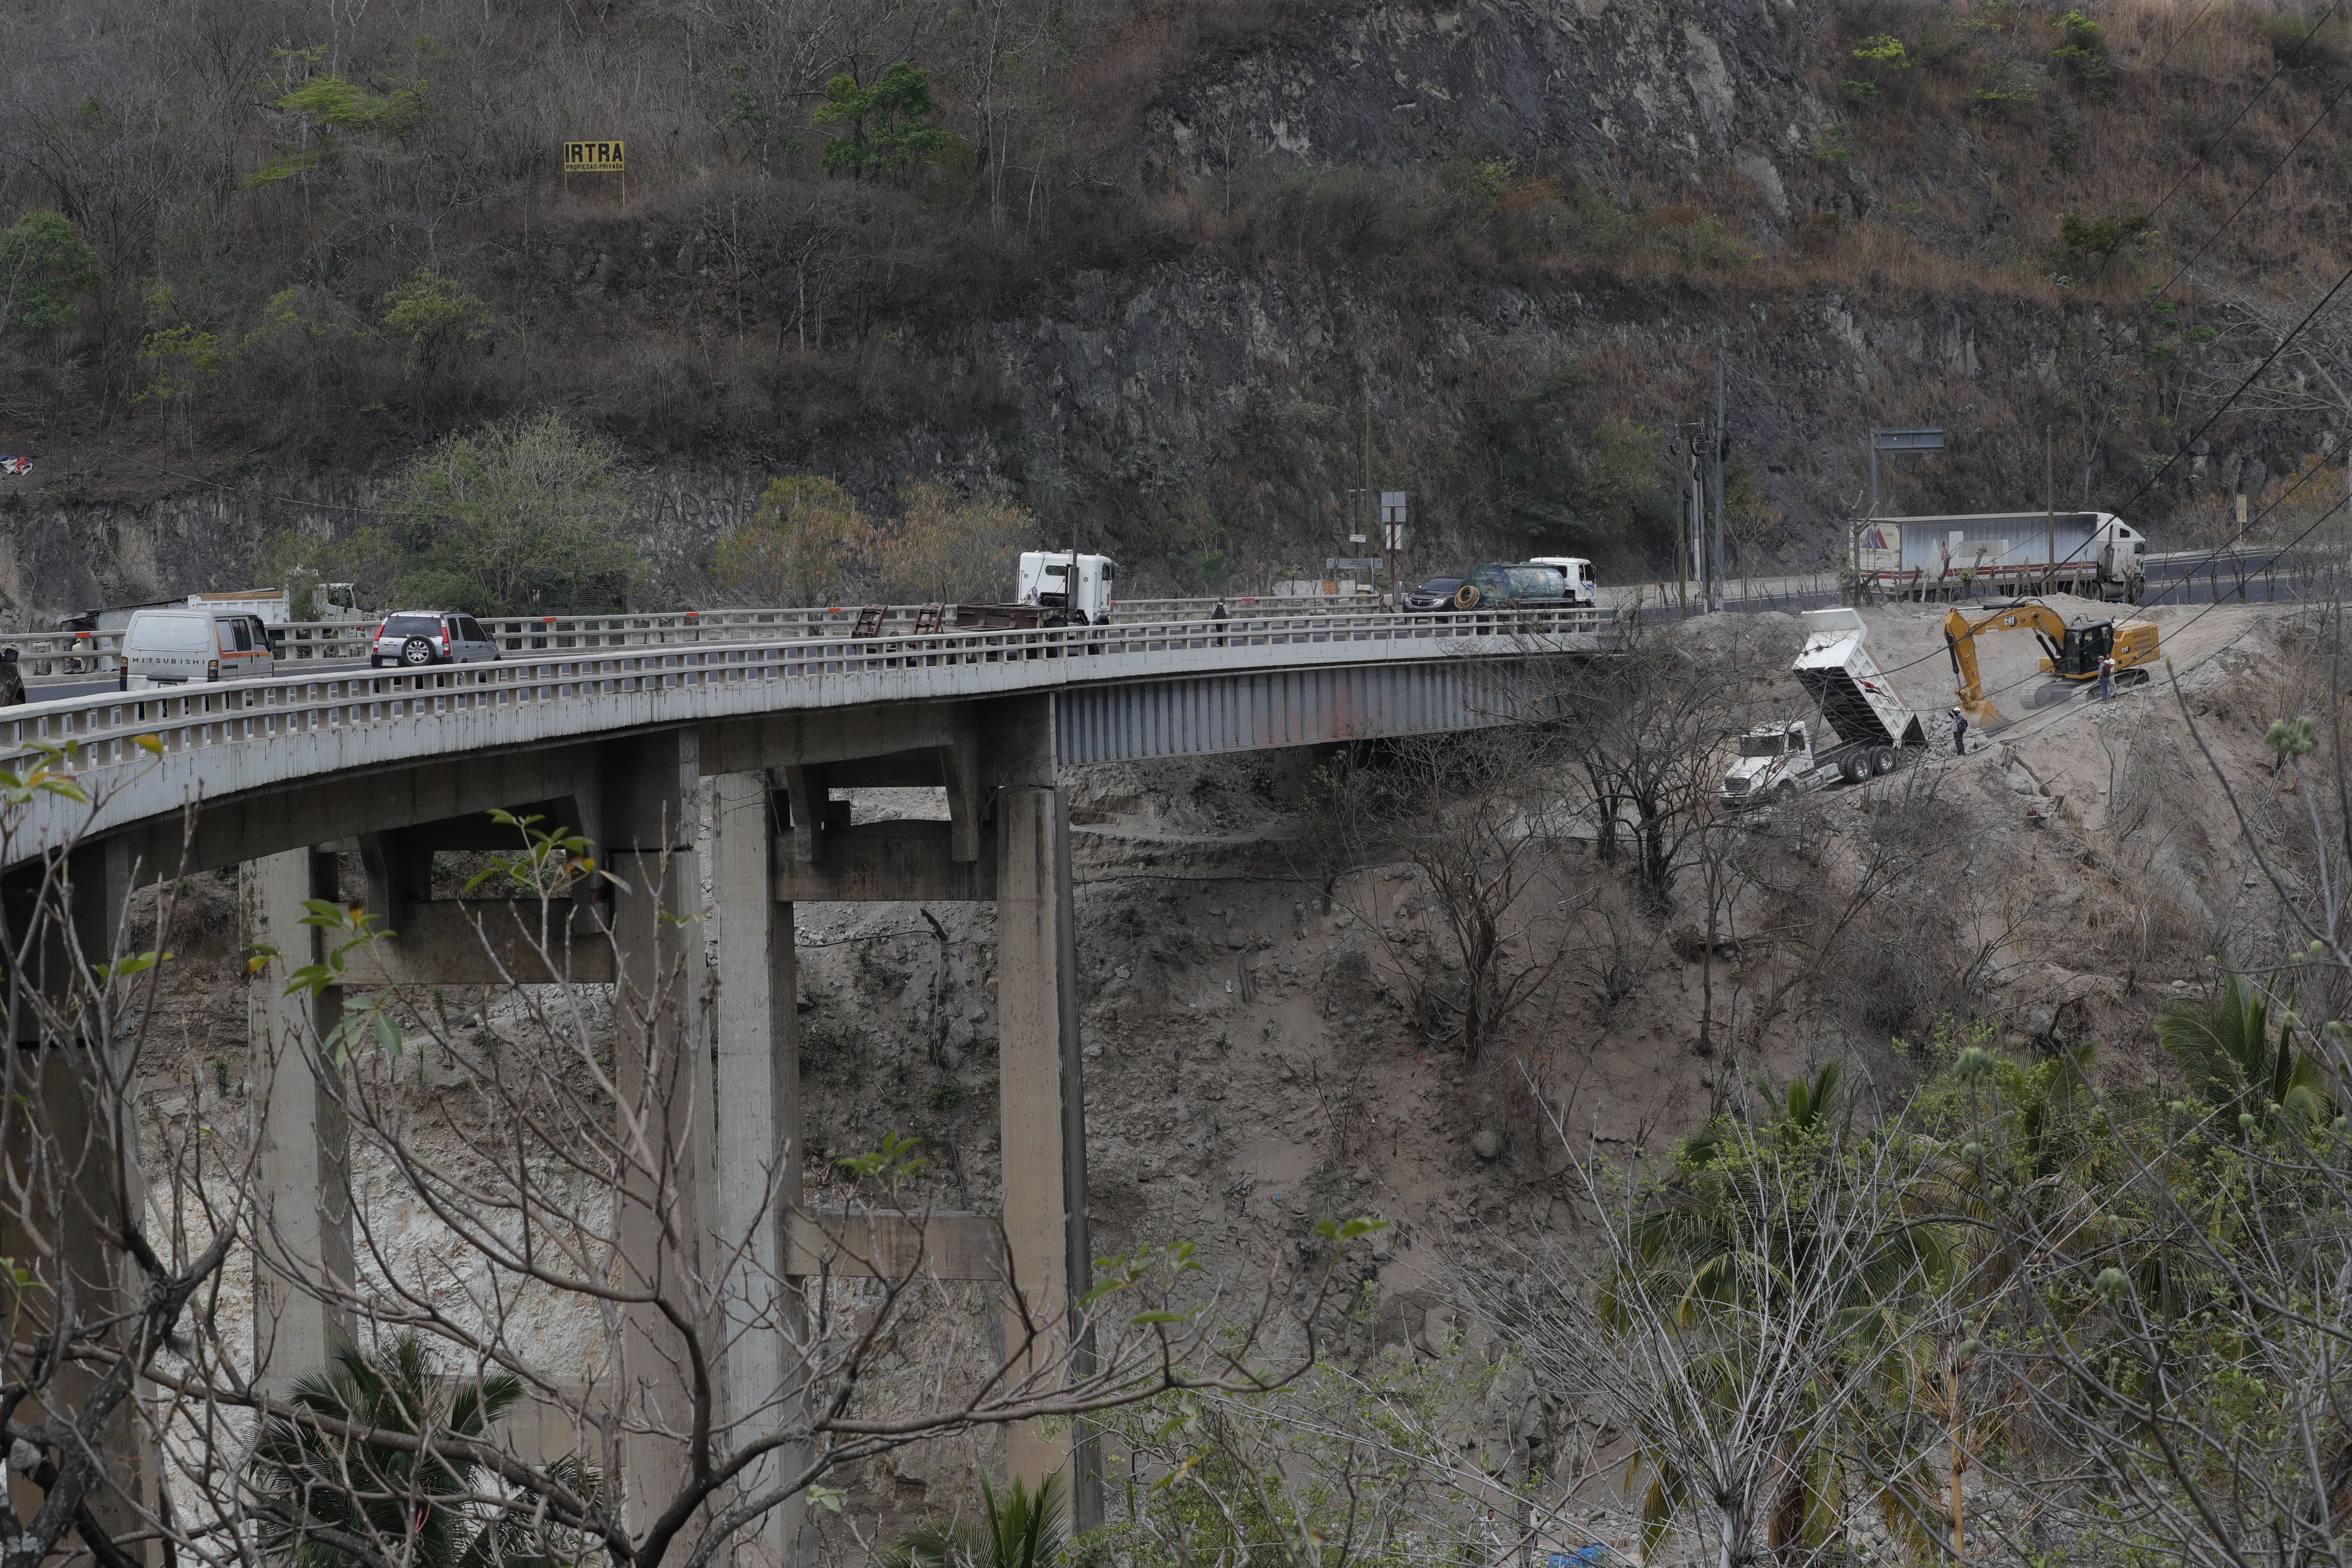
(1150, 283)
(1258, 1057)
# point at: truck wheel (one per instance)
(1853, 768)
(1882, 761)
(1784, 792)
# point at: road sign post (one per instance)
(1894, 439)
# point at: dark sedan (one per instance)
(1437, 593)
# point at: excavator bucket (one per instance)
(1983, 716)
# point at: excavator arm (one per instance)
(1960, 642)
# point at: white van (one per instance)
(172, 647)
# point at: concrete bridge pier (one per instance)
(1042, 1088)
(649, 801)
(302, 1219)
(1007, 841)
(72, 1164)
(756, 1053)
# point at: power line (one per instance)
(2219, 137)
(2225, 226)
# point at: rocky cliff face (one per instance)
(1629, 90)
(1492, 228)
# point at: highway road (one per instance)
(53, 687)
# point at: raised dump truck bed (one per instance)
(1876, 731)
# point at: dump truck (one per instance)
(2093, 554)
(1876, 731)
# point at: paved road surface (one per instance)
(51, 688)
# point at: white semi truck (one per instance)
(1046, 580)
(1876, 731)
(2093, 554)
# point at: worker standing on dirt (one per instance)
(2107, 677)
(1959, 733)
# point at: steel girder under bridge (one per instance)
(1136, 721)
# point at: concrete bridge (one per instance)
(617, 743)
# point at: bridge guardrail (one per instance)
(199, 716)
(100, 653)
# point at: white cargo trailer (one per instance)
(2093, 554)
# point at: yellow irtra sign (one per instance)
(595, 158)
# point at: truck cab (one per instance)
(1775, 762)
(1582, 589)
(1048, 577)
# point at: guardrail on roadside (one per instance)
(100, 653)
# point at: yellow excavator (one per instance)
(2071, 653)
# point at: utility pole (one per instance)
(1371, 496)
(2049, 510)
(1714, 599)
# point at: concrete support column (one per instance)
(651, 800)
(1042, 1094)
(68, 1217)
(302, 1221)
(758, 1117)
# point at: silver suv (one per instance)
(415, 638)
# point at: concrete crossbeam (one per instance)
(902, 861)
(944, 1244)
(494, 942)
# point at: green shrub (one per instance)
(529, 515)
(44, 267)
(884, 131)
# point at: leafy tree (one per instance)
(436, 316)
(45, 266)
(329, 1502)
(527, 515)
(1780, 1258)
(2085, 52)
(949, 546)
(182, 358)
(1348, 1468)
(885, 130)
(329, 109)
(803, 545)
(1020, 1530)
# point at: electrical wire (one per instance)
(2197, 435)
(2106, 258)
(2227, 223)
(2213, 605)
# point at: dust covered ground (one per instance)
(1254, 1060)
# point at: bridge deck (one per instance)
(225, 740)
